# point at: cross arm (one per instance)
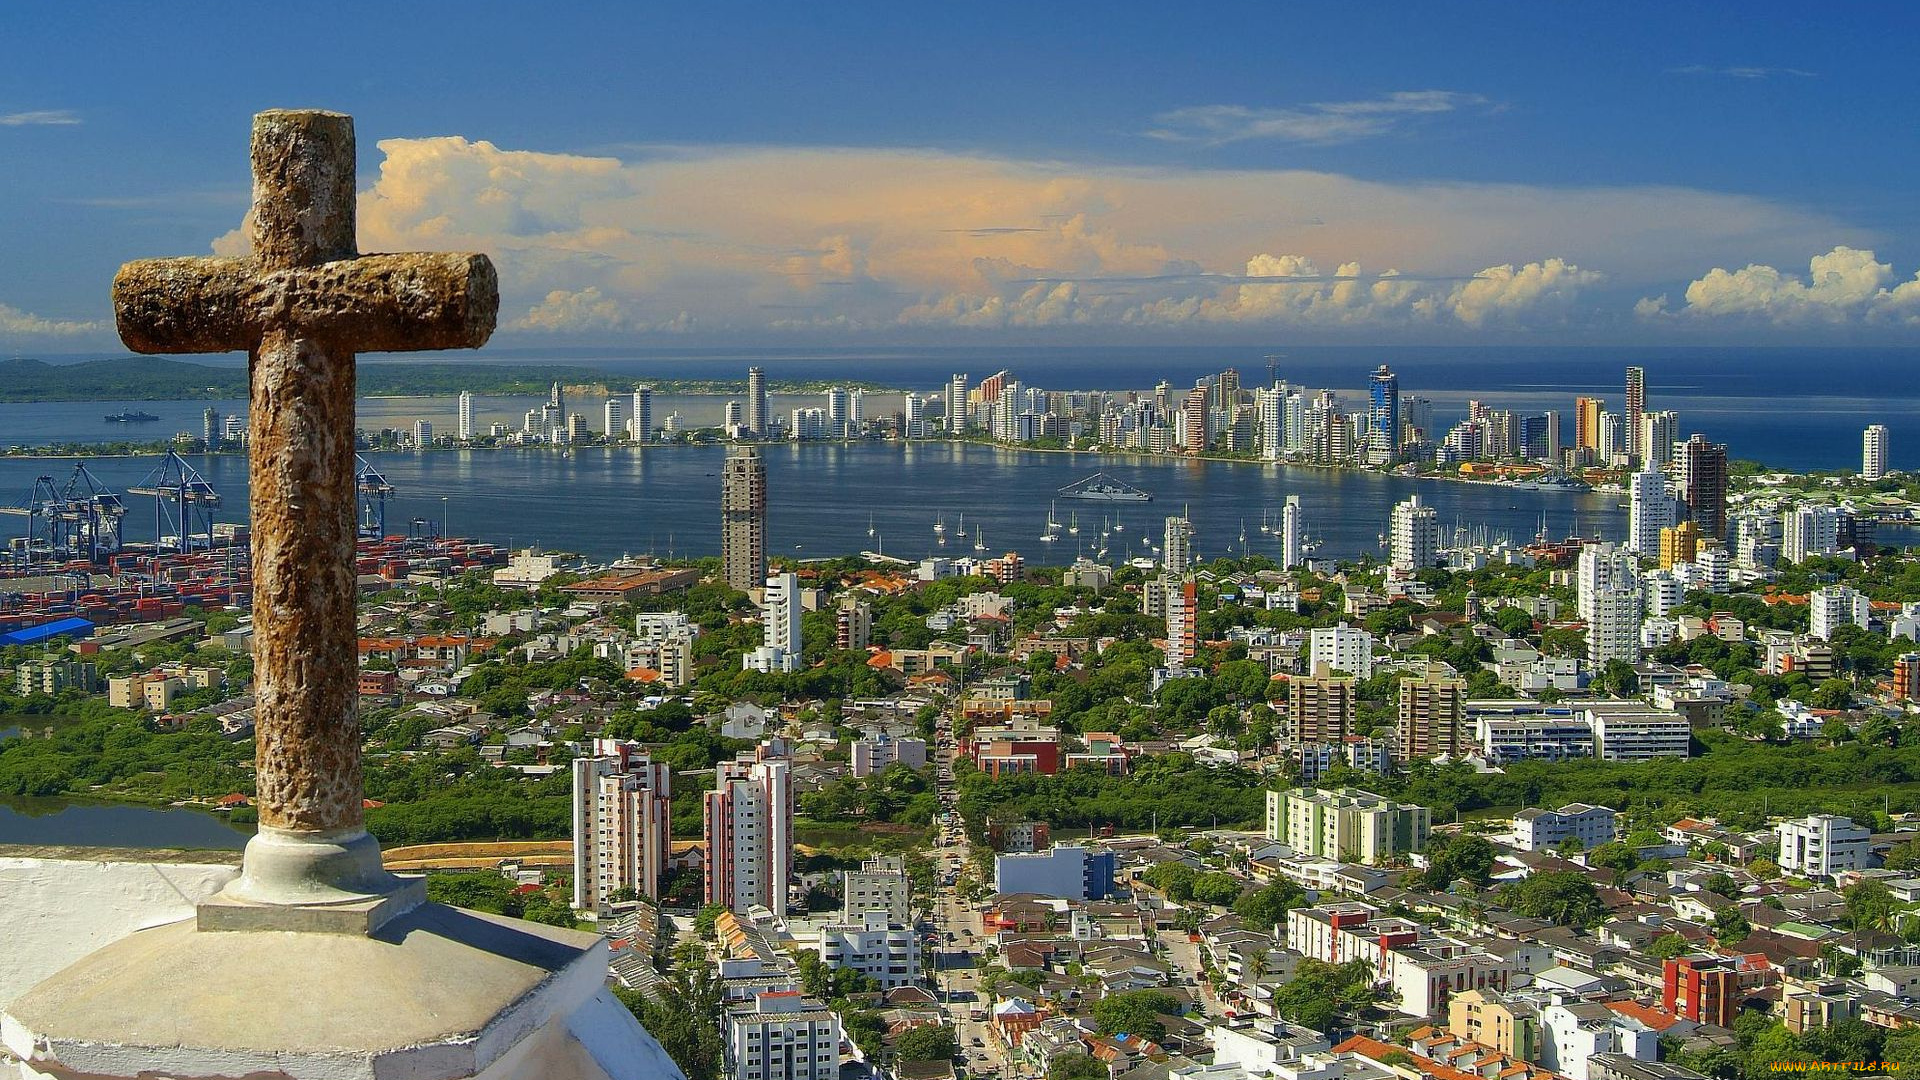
(372, 303)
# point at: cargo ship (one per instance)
(131, 416)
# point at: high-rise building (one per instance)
(779, 650)
(758, 416)
(1873, 452)
(641, 423)
(1701, 473)
(464, 424)
(1586, 422)
(743, 519)
(1383, 417)
(957, 403)
(1806, 531)
(749, 833)
(1415, 537)
(1182, 618)
(210, 431)
(1193, 415)
(1613, 443)
(1636, 405)
(1906, 676)
(1176, 548)
(1650, 508)
(1321, 708)
(615, 421)
(1271, 403)
(1433, 718)
(781, 1035)
(913, 417)
(881, 884)
(423, 433)
(556, 405)
(1342, 648)
(853, 623)
(837, 400)
(1679, 544)
(1227, 389)
(622, 823)
(577, 428)
(1600, 567)
(1291, 552)
(1554, 441)
(1613, 630)
(1658, 432)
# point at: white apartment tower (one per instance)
(1415, 537)
(758, 416)
(465, 423)
(1823, 845)
(779, 650)
(957, 403)
(614, 423)
(1873, 452)
(1603, 566)
(1290, 541)
(1806, 531)
(783, 1035)
(1836, 606)
(749, 833)
(622, 824)
(1176, 551)
(1650, 508)
(1342, 648)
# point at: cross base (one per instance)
(311, 882)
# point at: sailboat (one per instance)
(940, 530)
(979, 539)
(1073, 522)
(1266, 521)
(1243, 532)
(869, 524)
(1053, 522)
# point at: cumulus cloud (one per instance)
(752, 240)
(1846, 285)
(40, 118)
(15, 323)
(1319, 122)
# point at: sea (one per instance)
(1789, 408)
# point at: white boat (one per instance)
(870, 525)
(979, 539)
(1053, 523)
(1103, 488)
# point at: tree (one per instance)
(1722, 884)
(1562, 896)
(1077, 1067)
(1319, 993)
(1668, 946)
(1264, 908)
(1870, 906)
(1729, 926)
(1135, 1012)
(1458, 858)
(1832, 694)
(928, 1042)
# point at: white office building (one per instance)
(1835, 606)
(622, 823)
(783, 1035)
(1873, 452)
(1415, 538)
(1340, 648)
(883, 950)
(1806, 531)
(1538, 829)
(779, 651)
(1823, 845)
(1650, 508)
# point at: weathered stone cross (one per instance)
(302, 306)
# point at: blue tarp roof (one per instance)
(74, 628)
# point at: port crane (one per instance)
(78, 520)
(182, 500)
(374, 491)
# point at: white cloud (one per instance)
(15, 323)
(1742, 71)
(1846, 285)
(1320, 122)
(755, 240)
(40, 118)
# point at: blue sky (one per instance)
(878, 173)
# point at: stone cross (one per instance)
(302, 305)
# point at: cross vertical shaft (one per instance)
(300, 459)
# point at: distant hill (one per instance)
(152, 378)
